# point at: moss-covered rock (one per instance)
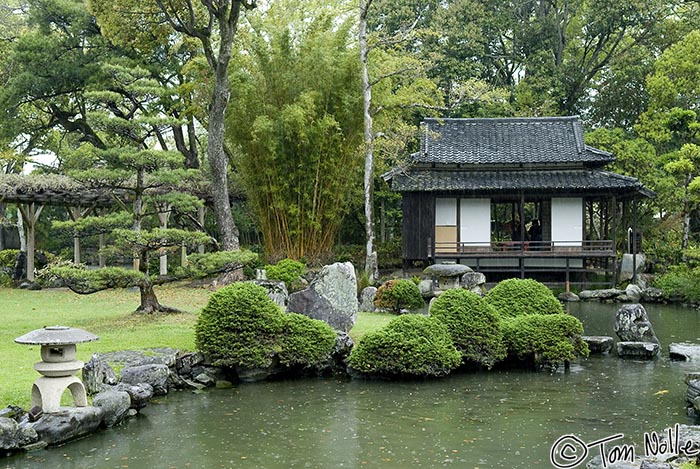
(548, 339)
(305, 342)
(518, 297)
(288, 271)
(473, 325)
(398, 295)
(240, 326)
(409, 346)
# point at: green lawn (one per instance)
(108, 314)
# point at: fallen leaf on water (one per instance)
(661, 393)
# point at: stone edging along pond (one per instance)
(154, 372)
(144, 374)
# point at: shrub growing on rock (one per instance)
(517, 297)
(397, 295)
(305, 342)
(548, 338)
(240, 326)
(409, 346)
(286, 270)
(473, 324)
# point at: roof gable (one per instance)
(531, 141)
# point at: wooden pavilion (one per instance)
(515, 197)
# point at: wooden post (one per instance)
(634, 241)
(74, 213)
(201, 213)
(30, 214)
(614, 241)
(163, 216)
(183, 255)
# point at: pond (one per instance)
(500, 419)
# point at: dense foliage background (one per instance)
(110, 95)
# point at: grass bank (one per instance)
(109, 315)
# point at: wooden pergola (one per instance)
(33, 193)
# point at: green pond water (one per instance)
(499, 419)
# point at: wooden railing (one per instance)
(522, 248)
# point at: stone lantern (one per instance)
(58, 366)
(446, 275)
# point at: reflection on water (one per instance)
(502, 419)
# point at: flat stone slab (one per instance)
(606, 294)
(67, 424)
(599, 343)
(446, 270)
(684, 351)
(641, 350)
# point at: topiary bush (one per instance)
(518, 297)
(397, 295)
(409, 346)
(549, 339)
(240, 326)
(305, 342)
(473, 324)
(286, 270)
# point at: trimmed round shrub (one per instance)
(286, 270)
(397, 295)
(518, 297)
(473, 324)
(240, 326)
(305, 342)
(409, 346)
(548, 338)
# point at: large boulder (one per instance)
(9, 429)
(653, 295)
(331, 297)
(115, 406)
(139, 394)
(367, 299)
(67, 424)
(336, 361)
(626, 269)
(633, 293)
(156, 375)
(475, 282)
(632, 324)
(97, 373)
(15, 436)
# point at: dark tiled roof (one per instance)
(507, 141)
(426, 180)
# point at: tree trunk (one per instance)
(150, 303)
(3, 211)
(218, 160)
(371, 267)
(686, 219)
